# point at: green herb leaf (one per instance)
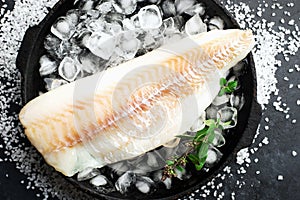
(226, 123)
(199, 166)
(200, 134)
(197, 151)
(203, 151)
(223, 81)
(209, 122)
(193, 158)
(188, 137)
(222, 92)
(232, 84)
(170, 162)
(180, 168)
(227, 87)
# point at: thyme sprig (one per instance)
(227, 86)
(198, 145)
(196, 152)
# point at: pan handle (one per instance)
(26, 48)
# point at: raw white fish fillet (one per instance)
(135, 107)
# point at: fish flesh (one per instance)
(125, 111)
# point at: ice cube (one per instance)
(47, 66)
(62, 28)
(135, 21)
(66, 48)
(126, 7)
(91, 63)
(73, 16)
(105, 7)
(168, 8)
(115, 60)
(179, 22)
(51, 43)
(119, 167)
(86, 4)
(227, 114)
(68, 69)
(128, 45)
(199, 123)
(87, 174)
(219, 139)
(144, 184)
(213, 156)
(152, 160)
(216, 23)
(149, 42)
(99, 180)
(183, 5)
(171, 38)
(125, 182)
(169, 26)
(93, 14)
(198, 8)
(52, 83)
(211, 112)
(195, 25)
(128, 24)
(220, 100)
(154, 1)
(102, 44)
(150, 17)
(237, 101)
(81, 38)
(113, 28)
(95, 25)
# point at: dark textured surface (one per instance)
(274, 159)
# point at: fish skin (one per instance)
(127, 110)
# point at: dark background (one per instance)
(274, 158)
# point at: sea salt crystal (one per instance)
(279, 177)
(294, 153)
(265, 141)
(294, 121)
(242, 155)
(267, 119)
(286, 78)
(291, 22)
(257, 172)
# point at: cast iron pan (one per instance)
(28, 63)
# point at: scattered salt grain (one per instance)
(242, 155)
(265, 141)
(291, 22)
(267, 119)
(279, 177)
(287, 116)
(257, 172)
(294, 153)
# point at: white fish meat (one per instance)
(130, 109)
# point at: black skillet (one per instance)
(248, 118)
